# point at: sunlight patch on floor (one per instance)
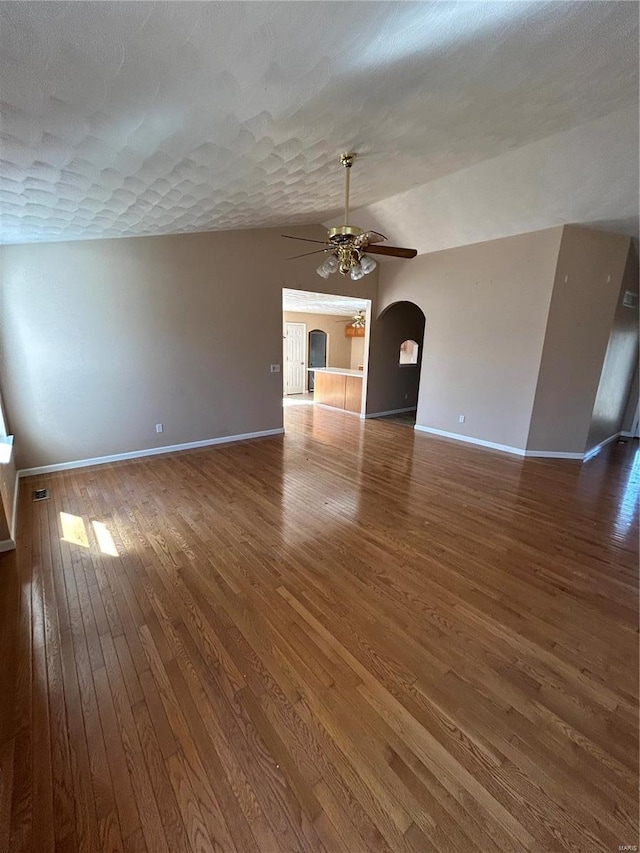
(73, 530)
(105, 540)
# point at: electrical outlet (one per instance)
(275, 368)
(406, 396)
(461, 419)
(159, 428)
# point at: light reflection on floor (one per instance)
(305, 399)
(628, 506)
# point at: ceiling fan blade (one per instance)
(394, 251)
(306, 239)
(317, 252)
(372, 237)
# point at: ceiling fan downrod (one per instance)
(347, 162)
(343, 235)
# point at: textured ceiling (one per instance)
(134, 118)
(305, 302)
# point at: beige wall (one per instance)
(586, 287)
(101, 340)
(357, 353)
(486, 309)
(7, 493)
(7, 480)
(631, 408)
(338, 344)
(632, 403)
(620, 363)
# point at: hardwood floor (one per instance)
(352, 638)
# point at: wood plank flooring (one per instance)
(351, 638)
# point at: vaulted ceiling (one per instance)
(123, 119)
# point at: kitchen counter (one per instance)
(338, 387)
(339, 371)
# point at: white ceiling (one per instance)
(123, 119)
(304, 302)
(586, 176)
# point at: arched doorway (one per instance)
(317, 350)
(395, 360)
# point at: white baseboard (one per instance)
(456, 436)
(7, 545)
(552, 454)
(152, 451)
(504, 448)
(390, 412)
(598, 447)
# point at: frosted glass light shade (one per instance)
(357, 272)
(368, 264)
(328, 266)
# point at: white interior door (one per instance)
(295, 334)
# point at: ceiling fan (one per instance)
(358, 320)
(346, 245)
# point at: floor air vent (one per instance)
(40, 494)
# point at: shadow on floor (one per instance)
(404, 419)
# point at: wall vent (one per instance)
(630, 299)
(40, 494)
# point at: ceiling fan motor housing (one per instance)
(343, 234)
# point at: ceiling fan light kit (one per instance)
(347, 243)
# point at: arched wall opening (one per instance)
(317, 353)
(395, 359)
